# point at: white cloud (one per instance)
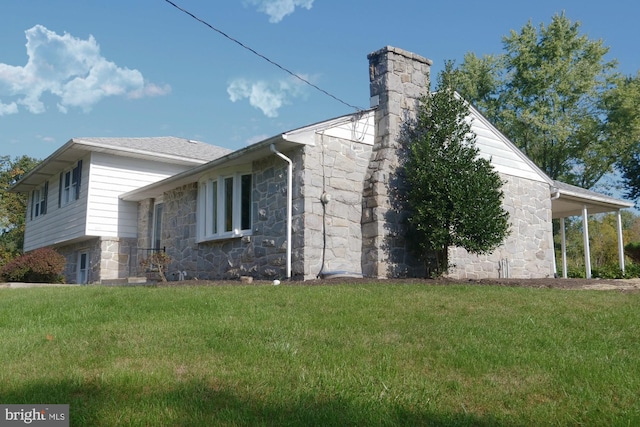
(268, 97)
(278, 9)
(8, 108)
(71, 69)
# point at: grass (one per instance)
(335, 355)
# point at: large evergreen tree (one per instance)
(455, 196)
(556, 97)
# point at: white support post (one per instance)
(585, 235)
(564, 248)
(620, 242)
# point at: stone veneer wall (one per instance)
(179, 230)
(110, 258)
(261, 255)
(333, 165)
(70, 252)
(337, 167)
(528, 250)
(145, 218)
(116, 261)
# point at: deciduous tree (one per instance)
(553, 93)
(12, 206)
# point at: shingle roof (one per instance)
(164, 149)
(162, 145)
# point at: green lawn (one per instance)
(324, 355)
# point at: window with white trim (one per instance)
(39, 200)
(156, 233)
(69, 189)
(225, 206)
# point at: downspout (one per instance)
(555, 196)
(289, 203)
(620, 241)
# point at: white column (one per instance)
(585, 235)
(620, 242)
(564, 248)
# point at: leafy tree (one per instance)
(624, 104)
(556, 97)
(455, 197)
(12, 206)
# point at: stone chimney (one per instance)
(397, 80)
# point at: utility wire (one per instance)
(262, 56)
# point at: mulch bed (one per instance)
(553, 283)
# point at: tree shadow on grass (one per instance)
(196, 402)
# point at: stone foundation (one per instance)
(110, 259)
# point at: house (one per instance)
(74, 200)
(320, 200)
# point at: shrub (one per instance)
(576, 272)
(632, 270)
(632, 250)
(158, 262)
(38, 266)
(612, 271)
(607, 271)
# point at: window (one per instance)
(224, 206)
(39, 200)
(156, 240)
(70, 185)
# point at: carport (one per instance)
(568, 200)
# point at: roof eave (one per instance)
(75, 149)
(244, 155)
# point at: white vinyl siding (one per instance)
(98, 211)
(505, 157)
(60, 224)
(112, 176)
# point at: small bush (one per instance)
(632, 250)
(158, 261)
(576, 272)
(608, 271)
(40, 266)
(612, 271)
(632, 270)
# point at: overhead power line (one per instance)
(262, 56)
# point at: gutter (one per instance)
(289, 203)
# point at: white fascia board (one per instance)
(360, 129)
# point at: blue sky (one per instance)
(77, 68)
